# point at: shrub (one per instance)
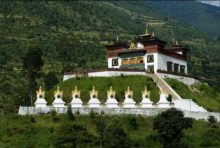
(32, 119)
(53, 113)
(169, 98)
(92, 114)
(77, 112)
(212, 120)
(70, 113)
(133, 123)
(122, 75)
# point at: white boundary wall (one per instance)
(115, 111)
(114, 73)
(185, 80)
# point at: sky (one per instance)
(216, 2)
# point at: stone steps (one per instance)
(163, 85)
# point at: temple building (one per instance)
(149, 55)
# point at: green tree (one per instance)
(50, 80)
(114, 136)
(32, 64)
(169, 126)
(70, 113)
(9, 67)
(70, 53)
(133, 123)
(70, 135)
(100, 126)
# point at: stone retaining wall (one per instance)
(115, 111)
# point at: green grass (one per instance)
(206, 96)
(18, 132)
(102, 84)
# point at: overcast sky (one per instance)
(216, 2)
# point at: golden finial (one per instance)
(128, 91)
(117, 38)
(58, 91)
(40, 91)
(93, 91)
(176, 42)
(111, 91)
(163, 91)
(153, 34)
(146, 31)
(132, 46)
(75, 91)
(145, 91)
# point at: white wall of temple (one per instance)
(154, 63)
(110, 62)
(163, 59)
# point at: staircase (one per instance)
(165, 86)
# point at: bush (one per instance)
(212, 120)
(70, 113)
(92, 114)
(77, 112)
(169, 98)
(133, 123)
(53, 112)
(122, 75)
(32, 119)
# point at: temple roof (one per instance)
(117, 43)
(178, 47)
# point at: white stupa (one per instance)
(76, 101)
(58, 102)
(163, 103)
(146, 102)
(40, 102)
(111, 101)
(94, 102)
(129, 102)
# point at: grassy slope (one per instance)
(18, 131)
(202, 94)
(102, 84)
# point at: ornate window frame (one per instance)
(150, 58)
(176, 67)
(115, 62)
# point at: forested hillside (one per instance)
(94, 24)
(203, 16)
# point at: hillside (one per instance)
(203, 16)
(204, 95)
(18, 131)
(45, 23)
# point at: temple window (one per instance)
(150, 58)
(125, 62)
(182, 69)
(114, 62)
(132, 61)
(150, 68)
(169, 66)
(176, 67)
(140, 60)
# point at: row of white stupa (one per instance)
(110, 103)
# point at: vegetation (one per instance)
(18, 131)
(169, 126)
(70, 113)
(201, 94)
(212, 120)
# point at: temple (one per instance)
(149, 55)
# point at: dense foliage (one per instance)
(169, 126)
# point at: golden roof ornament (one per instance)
(58, 91)
(145, 91)
(111, 91)
(128, 91)
(176, 42)
(153, 34)
(75, 91)
(40, 91)
(117, 38)
(132, 46)
(93, 91)
(163, 91)
(146, 32)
